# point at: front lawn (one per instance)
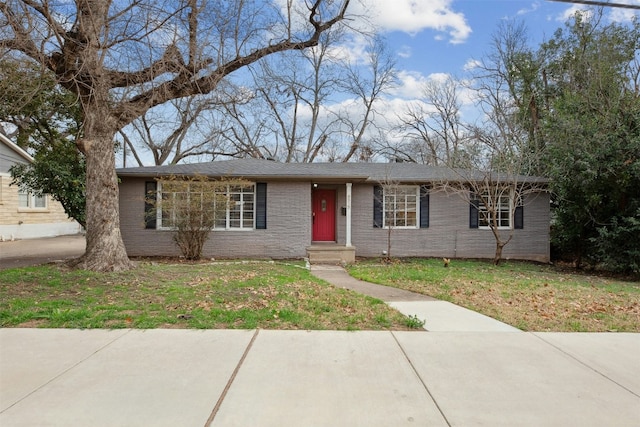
(528, 296)
(187, 295)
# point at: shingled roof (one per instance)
(259, 169)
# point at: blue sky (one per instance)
(434, 38)
(462, 29)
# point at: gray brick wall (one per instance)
(449, 234)
(288, 230)
(286, 236)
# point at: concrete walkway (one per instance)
(317, 378)
(438, 316)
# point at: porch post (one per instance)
(348, 237)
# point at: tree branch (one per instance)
(184, 85)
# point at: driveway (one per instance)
(23, 253)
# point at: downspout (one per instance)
(348, 234)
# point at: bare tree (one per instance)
(186, 127)
(122, 59)
(497, 200)
(518, 77)
(281, 119)
(384, 205)
(246, 133)
(296, 116)
(433, 129)
(368, 88)
(293, 92)
(498, 180)
(395, 206)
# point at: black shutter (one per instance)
(261, 205)
(150, 190)
(424, 206)
(377, 206)
(518, 218)
(473, 213)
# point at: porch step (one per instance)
(331, 254)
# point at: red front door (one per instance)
(324, 216)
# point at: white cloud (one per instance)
(405, 52)
(525, 11)
(353, 49)
(614, 14)
(410, 84)
(569, 13)
(471, 64)
(411, 16)
(439, 77)
(624, 15)
(381, 16)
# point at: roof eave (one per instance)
(16, 148)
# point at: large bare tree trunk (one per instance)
(105, 249)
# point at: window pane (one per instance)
(411, 219)
(400, 206)
(238, 212)
(23, 200)
(500, 211)
(504, 218)
(167, 210)
(400, 219)
(39, 201)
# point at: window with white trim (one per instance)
(240, 208)
(172, 204)
(28, 200)
(233, 206)
(501, 212)
(401, 206)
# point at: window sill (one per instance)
(33, 210)
(213, 230)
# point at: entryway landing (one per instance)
(330, 253)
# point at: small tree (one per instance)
(191, 206)
(497, 198)
(384, 207)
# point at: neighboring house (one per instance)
(24, 215)
(324, 210)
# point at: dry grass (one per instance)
(528, 296)
(186, 295)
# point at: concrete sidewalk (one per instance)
(318, 378)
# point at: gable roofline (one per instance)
(16, 148)
(260, 169)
